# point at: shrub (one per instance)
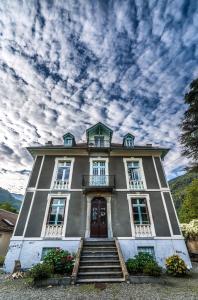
(175, 266)
(152, 269)
(41, 271)
(2, 258)
(143, 258)
(132, 266)
(190, 231)
(139, 262)
(61, 260)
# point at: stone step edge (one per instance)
(89, 280)
(100, 256)
(99, 273)
(100, 267)
(99, 261)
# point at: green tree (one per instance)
(7, 206)
(189, 208)
(189, 136)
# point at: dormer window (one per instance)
(69, 140)
(128, 140)
(99, 136)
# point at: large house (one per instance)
(98, 191)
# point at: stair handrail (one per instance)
(122, 261)
(77, 262)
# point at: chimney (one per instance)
(149, 145)
(49, 143)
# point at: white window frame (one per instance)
(105, 159)
(131, 159)
(147, 197)
(49, 199)
(57, 160)
(131, 142)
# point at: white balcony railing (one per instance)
(143, 230)
(61, 184)
(53, 231)
(136, 184)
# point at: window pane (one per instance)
(145, 219)
(140, 212)
(142, 201)
(60, 173)
(56, 211)
(147, 250)
(136, 218)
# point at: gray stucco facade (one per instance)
(77, 210)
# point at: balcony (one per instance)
(136, 185)
(53, 231)
(98, 183)
(99, 143)
(61, 185)
(143, 230)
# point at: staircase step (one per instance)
(99, 257)
(108, 268)
(99, 262)
(94, 248)
(100, 274)
(89, 280)
(98, 252)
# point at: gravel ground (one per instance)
(174, 289)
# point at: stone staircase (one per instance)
(99, 262)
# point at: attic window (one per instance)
(129, 142)
(68, 141)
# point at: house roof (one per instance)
(97, 125)
(114, 146)
(68, 134)
(7, 220)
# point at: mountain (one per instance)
(178, 186)
(6, 196)
(17, 196)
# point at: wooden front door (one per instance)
(98, 218)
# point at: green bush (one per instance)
(61, 260)
(2, 258)
(41, 271)
(132, 266)
(152, 269)
(143, 263)
(175, 266)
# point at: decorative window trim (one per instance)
(92, 159)
(130, 159)
(49, 199)
(146, 196)
(57, 160)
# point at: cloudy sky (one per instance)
(65, 65)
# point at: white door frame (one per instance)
(88, 222)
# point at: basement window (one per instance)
(45, 251)
(146, 249)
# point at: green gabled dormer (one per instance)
(69, 140)
(128, 140)
(99, 135)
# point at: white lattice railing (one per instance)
(53, 231)
(143, 230)
(136, 184)
(61, 185)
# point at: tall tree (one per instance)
(189, 208)
(189, 136)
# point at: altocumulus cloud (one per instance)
(64, 65)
